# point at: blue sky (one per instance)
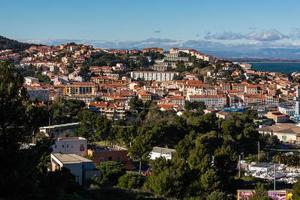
(226, 22)
(141, 19)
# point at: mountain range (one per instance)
(228, 51)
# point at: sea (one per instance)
(283, 67)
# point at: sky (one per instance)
(122, 23)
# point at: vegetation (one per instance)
(6, 43)
(110, 173)
(204, 166)
(131, 181)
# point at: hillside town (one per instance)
(107, 81)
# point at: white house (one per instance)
(82, 168)
(285, 132)
(158, 152)
(30, 80)
(70, 145)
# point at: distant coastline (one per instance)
(265, 60)
(282, 67)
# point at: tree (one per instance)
(12, 126)
(197, 106)
(93, 126)
(110, 172)
(260, 193)
(65, 111)
(136, 104)
(131, 181)
(216, 195)
(296, 190)
(25, 169)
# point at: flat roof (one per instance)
(70, 138)
(70, 158)
(163, 150)
(60, 125)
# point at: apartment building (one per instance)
(80, 88)
(210, 101)
(153, 75)
(70, 145)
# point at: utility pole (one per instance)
(239, 166)
(140, 166)
(274, 176)
(258, 151)
(49, 118)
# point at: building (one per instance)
(60, 130)
(30, 80)
(153, 50)
(210, 101)
(287, 109)
(174, 57)
(158, 152)
(144, 95)
(82, 168)
(111, 111)
(285, 132)
(153, 75)
(297, 101)
(278, 117)
(70, 145)
(273, 194)
(100, 154)
(38, 93)
(80, 88)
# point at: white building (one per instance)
(82, 168)
(297, 100)
(285, 132)
(153, 75)
(70, 145)
(174, 57)
(286, 109)
(30, 80)
(158, 152)
(60, 130)
(210, 101)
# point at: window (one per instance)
(284, 138)
(81, 147)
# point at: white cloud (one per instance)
(270, 35)
(227, 35)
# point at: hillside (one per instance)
(6, 43)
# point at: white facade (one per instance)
(70, 145)
(30, 80)
(210, 101)
(288, 110)
(158, 152)
(297, 100)
(153, 75)
(83, 169)
(285, 132)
